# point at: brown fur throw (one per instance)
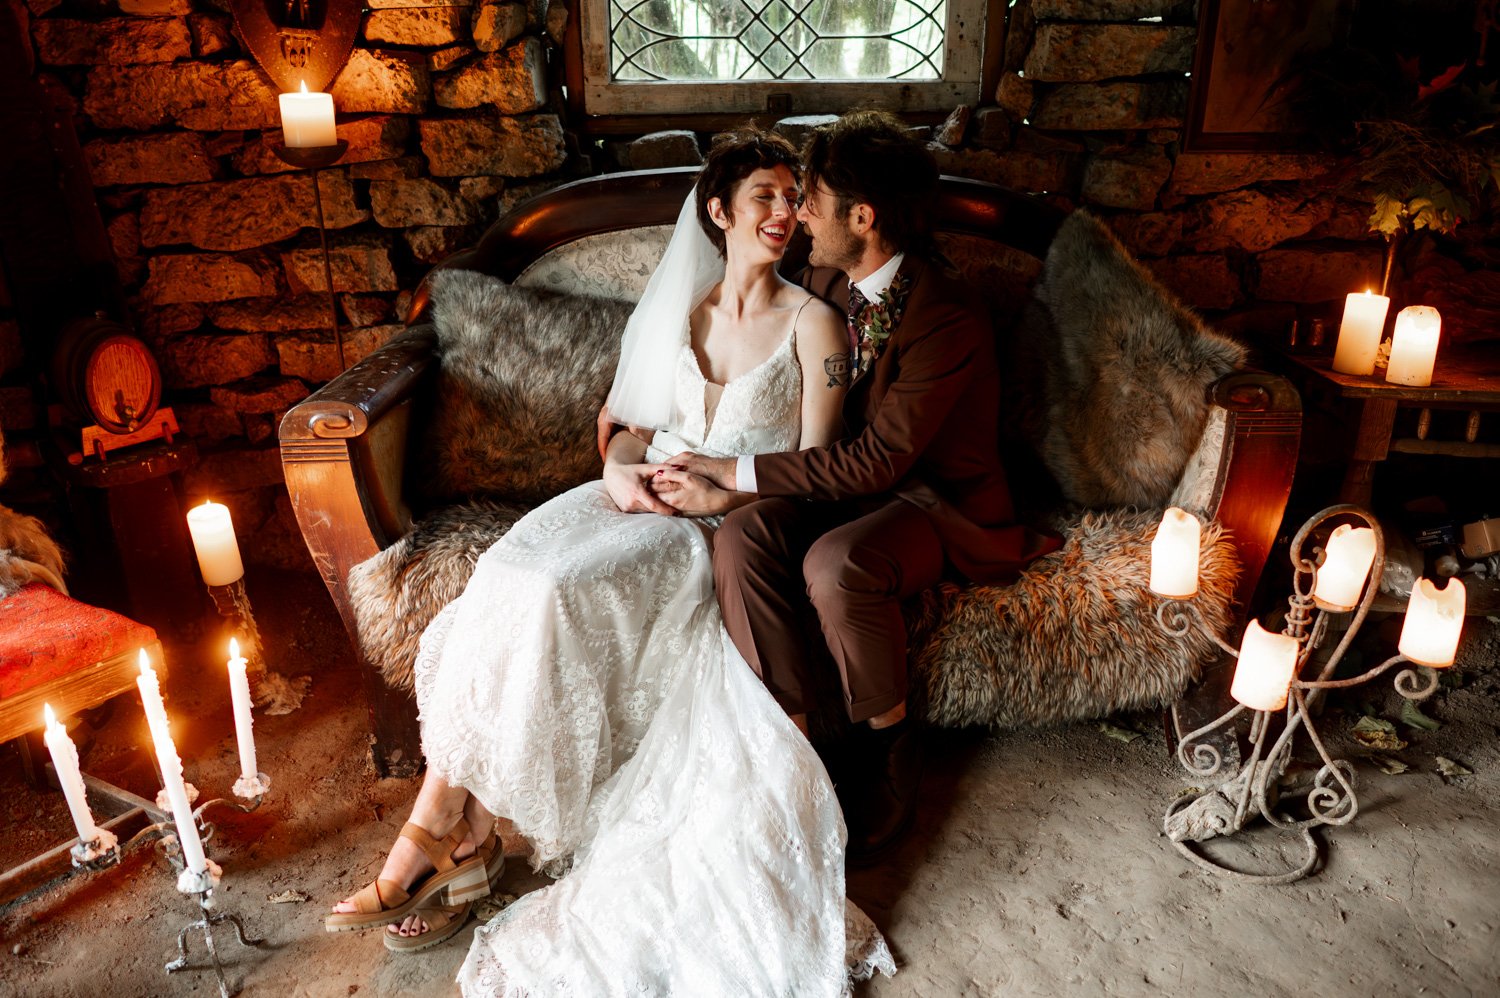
(398, 592)
(523, 374)
(1076, 637)
(1125, 369)
(27, 554)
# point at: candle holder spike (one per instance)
(1258, 788)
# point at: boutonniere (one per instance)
(876, 320)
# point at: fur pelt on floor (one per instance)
(523, 374)
(27, 554)
(397, 593)
(1124, 369)
(1076, 637)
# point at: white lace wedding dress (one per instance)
(584, 687)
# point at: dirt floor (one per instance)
(1037, 867)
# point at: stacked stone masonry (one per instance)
(445, 108)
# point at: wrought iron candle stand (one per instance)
(313, 159)
(1256, 788)
(105, 851)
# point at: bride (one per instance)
(584, 688)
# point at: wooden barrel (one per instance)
(104, 374)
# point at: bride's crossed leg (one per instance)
(540, 680)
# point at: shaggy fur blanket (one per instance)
(1075, 637)
(522, 376)
(398, 592)
(27, 554)
(1124, 368)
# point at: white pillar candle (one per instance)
(1265, 668)
(239, 696)
(213, 540)
(1414, 346)
(65, 762)
(307, 119)
(1359, 333)
(1174, 554)
(171, 768)
(1434, 620)
(1341, 578)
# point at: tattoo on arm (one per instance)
(836, 366)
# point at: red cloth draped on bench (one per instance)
(68, 653)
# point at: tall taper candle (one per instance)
(65, 761)
(171, 768)
(239, 696)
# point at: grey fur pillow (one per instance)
(1124, 370)
(522, 376)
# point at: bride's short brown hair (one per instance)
(732, 157)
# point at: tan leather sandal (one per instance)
(382, 902)
(443, 922)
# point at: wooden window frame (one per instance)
(593, 95)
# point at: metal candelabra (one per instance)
(105, 851)
(1256, 789)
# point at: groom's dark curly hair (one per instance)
(870, 157)
(732, 157)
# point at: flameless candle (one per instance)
(1359, 333)
(1174, 554)
(1414, 346)
(1341, 577)
(239, 696)
(1264, 672)
(213, 540)
(1434, 618)
(307, 119)
(171, 768)
(65, 762)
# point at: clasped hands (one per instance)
(686, 485)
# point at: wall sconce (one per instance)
(298, 41)
(1267, 682)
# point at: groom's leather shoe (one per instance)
(887, 801)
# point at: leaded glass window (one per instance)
(809, 55)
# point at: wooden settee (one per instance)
(348, 450)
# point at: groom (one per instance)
(913, 493)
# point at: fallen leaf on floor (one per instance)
(1389, 764)
(1118, 733)
(1412, 717)
(1448, 769)
(1378, 733)
(287, 897)
(487, 908)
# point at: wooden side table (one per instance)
(1466, 380)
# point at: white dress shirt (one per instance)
(872, 287)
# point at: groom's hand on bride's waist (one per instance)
(719, 470)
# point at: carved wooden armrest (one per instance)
(343, 450)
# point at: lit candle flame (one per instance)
(49, 715)
(145, 661)
(304, 86)
(234, 648)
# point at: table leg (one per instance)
(1377, 418)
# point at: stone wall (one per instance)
(447, 109)
(1090, 109)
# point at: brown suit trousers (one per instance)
(915, 486)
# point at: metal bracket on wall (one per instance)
(299, 41)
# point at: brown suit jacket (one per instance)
(923, 425)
